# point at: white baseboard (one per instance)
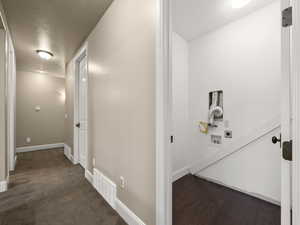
(13, 166)
(108, 190)
(68, 153)
(180, 173)
(255, 195)
(237, 146)
(105, 187)
(39, 147)
(127, 215)
(89, 176)
(15, 162)
(3, 186)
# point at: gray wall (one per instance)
(47, 125)
(121, 70)
(121, 101)
(69, 122)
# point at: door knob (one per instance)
(276, 139)
(77, 125)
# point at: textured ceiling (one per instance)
(195, 17)
(59, 26)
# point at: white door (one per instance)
(82, 111)
(286, 133)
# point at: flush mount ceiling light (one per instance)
(237, 4)
(44, 54)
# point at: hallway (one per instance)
(46, 189)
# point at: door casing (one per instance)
(83, 52)
(295, 81)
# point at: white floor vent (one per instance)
(105, 187)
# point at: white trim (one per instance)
(286, 129)
(15, 162)
(3, 186)
(39, 147)
(89, 176)
(83, 51)
(106, 187)
(68, 153)
(108, 190)
(238, 145)
(129, 217)
(255, 195)
(163, 107)
(11, 103)
(295, 80)
(180, 173)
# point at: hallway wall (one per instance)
(122, 101)
(121, 70)
(47, 125)
(69, 121)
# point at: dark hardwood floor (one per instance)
(199, 202)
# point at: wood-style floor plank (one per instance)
(199, 202)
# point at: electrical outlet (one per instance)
(28, 140)
(122, 182)
(216, 139)
(94, 162)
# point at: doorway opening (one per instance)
(226, 108)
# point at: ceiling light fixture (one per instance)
(44, 54)
(237, 4)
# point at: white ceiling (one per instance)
(193, 18)
(59, 26)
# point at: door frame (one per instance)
(286, 114)
(10, 79)
(163, 112)
(295, 81)
(11, 103)
(83, 52)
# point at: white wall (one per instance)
(180, 103)
(242, 59)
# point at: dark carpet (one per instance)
(198, 202)
(47, 189)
